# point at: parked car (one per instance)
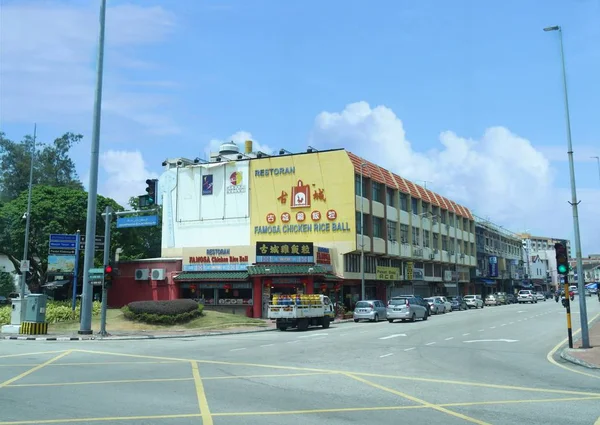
(511, 299)
(526, 296)
(458, 303)
(491, 300)
(436, 306)
(373, 310)
(540, 296)
(447, 304)
(406, 308)
(474, 301)
(501, 298)
(419, 299)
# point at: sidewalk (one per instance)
(589, 357)
(135, 335)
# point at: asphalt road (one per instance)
(485, 366)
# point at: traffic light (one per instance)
(562, 259)
(109, 272)
(151, 191)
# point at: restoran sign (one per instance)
(303, 198)
(216, 259)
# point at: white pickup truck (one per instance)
(296, 312)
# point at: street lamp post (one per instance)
(585, 337)
(90, 225)
(362, 236)
(27, 221)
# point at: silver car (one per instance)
(373, 310)
(405, 308)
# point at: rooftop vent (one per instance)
(228, 149)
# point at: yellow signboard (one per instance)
(387, 273)
(303, 198)
(409, 270)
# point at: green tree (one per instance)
(144, 242)
(52, 164)
(7, 284)
(63, 210)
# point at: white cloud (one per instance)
(48, 62)
(239, 138)
(126, 175)
(500, 175)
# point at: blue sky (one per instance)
(466, 95)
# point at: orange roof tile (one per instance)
(381, 175)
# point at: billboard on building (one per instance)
(304, 198)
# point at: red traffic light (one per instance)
(108, 269)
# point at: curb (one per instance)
(564, 354)
(139, 337)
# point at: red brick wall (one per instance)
(126, 289)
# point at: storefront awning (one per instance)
(210, 276)
(284, 270)
(332, 278)
(489, 282)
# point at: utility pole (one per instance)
(362, 235)
(27, 221)
(585, 335)
(106, 261)
(90, 226)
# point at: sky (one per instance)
(464, 95)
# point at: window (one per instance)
(358, 226)
(390, 196)
(414, 205)
(352, 263)
(403, 201)
(436, 241)
(376, 189)
(451, 219)
(444, 243)
(370, 264)
(396, 263)
(357, 179)
(425, 207)
(404, 233)
(392, 230)
(377, 227)
(444, 216)
(415, 236)
(426, 238)
(451, 247)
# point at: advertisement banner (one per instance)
(387, 273)
(409, 270)
(284, 252)
(493, 266)
(303, 198)
(61, 264)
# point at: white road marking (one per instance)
(511, 323)
(492, 340)
(521, 311)
(237, 349)
(481, 330)
(448, 339)
(466, 334)
(311, 335)
(392, 336)
(292, 342)
(321, 337)
(386, 355)
(267, 345)
(408, 349)
(430, 343)
(492, 327)
(503, 324)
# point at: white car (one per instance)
(540, 296)
(447, 304)
(473, 301)
(526, 296)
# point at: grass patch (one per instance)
(117, 322)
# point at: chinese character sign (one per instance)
(284, 252)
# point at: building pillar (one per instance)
(154, 289)
(310, 284)
(257, 297)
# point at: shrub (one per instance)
(5, 315)
(163, 312)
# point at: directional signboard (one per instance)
(96, 276)
(98, 243)
(137, 221)
(62, 244)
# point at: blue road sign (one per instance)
(138, 221)
(58, 241)
(63, 238)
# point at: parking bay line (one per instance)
(386, 355)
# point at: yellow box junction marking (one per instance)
(201, 395)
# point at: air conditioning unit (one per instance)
(158, 274)
(142, 274)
